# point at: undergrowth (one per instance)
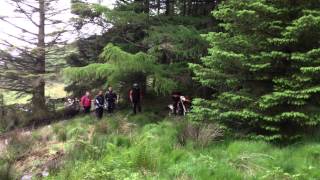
(145, 146)
(142, 147)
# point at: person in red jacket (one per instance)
(86, 102)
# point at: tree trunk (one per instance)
(38, 99)
(1, 106)
(190, 7)
(168, 7)
(184, 10)
(159, 6)
(142, 6)
(172, 7)
(147, 6)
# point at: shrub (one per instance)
(101, 127)
(120, 140)
(19, 146)
(5, 169)
(14, 118)
(208, 133)
(62, 135)
(126, 127)
(249, 163)
(201, 134)
(82, 150)
(76, 133)
(146, 157)
(60, 131)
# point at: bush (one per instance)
(126, 127)
(77, 133)
(15, 118)
(120, 141)
(5, 169)
(201, 134)
(146, 158)
(101, 127)
(61, 132)
(19, 146)
(62, 135)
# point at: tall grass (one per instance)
(154, 151)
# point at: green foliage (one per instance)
(167, 33)
(264, 67)
(117, 66)
(123, 17)
(177, 43)
(153, 151)
(101, 127)
(62, 135)
(6, 172)
(18, 147)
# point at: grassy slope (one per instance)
(147, 146)
(135, 147)
(53, 90)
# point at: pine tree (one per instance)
(121, 68)
(264, 66)
(171, 39)
(25, 72)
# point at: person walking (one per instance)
(99, 102)
(175, 99)
(135, 98)
(111, 98)
(85, 103)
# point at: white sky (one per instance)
(7, 10)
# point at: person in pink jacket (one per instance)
(86, 103)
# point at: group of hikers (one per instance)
(109, 100)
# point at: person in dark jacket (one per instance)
(99, 103)
(175, 99)
(135, 98)
(111, 98)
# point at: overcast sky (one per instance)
(7, 10)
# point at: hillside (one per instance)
(241, 79)
(148, 146)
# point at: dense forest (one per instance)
(239, 76)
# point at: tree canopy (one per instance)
(264, 67)
(118, 66)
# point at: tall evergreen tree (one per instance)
(122, 69)
(172, 40)
(264, 66)
(26, 72)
